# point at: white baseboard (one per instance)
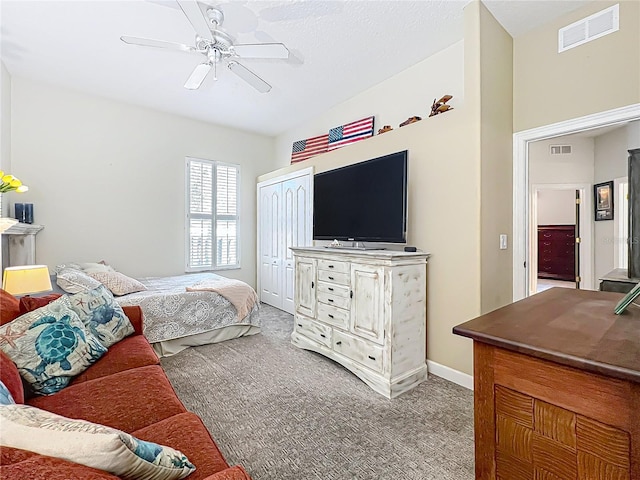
(463, 379)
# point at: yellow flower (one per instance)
(9, 183)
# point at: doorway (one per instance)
(521, 191)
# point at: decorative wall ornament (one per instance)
(386, 128)
(410, 120)
(304, 149)
(441, 106)
(350, 133)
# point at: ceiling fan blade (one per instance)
(261, 50)
(149, 42)
(248, 76)
(193, 13)
(197, 76)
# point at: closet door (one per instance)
(297, 231)
(270, 249)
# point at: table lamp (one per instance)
(26, 279)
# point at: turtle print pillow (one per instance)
(90, 444)
(101, 314)
(50, 346)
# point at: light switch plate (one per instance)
(503, 241)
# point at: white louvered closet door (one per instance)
(285, 208)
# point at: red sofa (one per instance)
(126, 389)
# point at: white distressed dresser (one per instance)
(366, 310)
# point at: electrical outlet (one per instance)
(503, 241)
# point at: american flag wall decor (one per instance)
(303, 149)
(350, 132)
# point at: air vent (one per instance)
(594, 26)
(560, 149)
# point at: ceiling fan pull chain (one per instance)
(215, 71)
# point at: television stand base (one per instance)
(353, 246)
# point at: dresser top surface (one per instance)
(571, 327)
(381, 254)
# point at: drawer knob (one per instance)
(331, 289)
(323, 335)
(330, 300)
(339, 343)
(330, 278)
(372, 358)
(330, 266)
(299, 324)
(330, 316)
(312, 284)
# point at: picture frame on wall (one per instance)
(603, 201)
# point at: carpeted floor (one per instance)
(286, 413)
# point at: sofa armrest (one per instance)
(231, 473)
(136, 317)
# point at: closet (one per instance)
(285, 219)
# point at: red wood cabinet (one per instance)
(556, 252)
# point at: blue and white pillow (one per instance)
(50, 346)
(101, 314)
(5, 395)
(90, 444)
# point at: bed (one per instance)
(175, 319)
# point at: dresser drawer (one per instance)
(313, 330)
(334, 277)
(361, 351)
(333, 315)
(334, 289)
(333, 266)
(335, 300)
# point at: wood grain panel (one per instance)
(555, 423)
(591, 467)
(509, 467)
(484, 420)
(554, 457)
(542, 474)
(634, 432)
(607, 443)
(558, 385)
(513, 438)
(514, 405)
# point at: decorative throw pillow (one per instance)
(92, 267)
(100, 314)
(117, 282)
(5, 396)
(9, 307)
(75, 281)
(50, 346)
(29, 304)
(90, 444)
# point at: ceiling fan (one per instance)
(217, 46)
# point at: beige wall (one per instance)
(5, 129)
(496, 124)
(446, 156)
(107, 178)
(550, 87)
(610, 162)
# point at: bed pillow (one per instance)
(100, 314)
(5, 395)
(50, 346)
(117, 282)
(58, 268)
(90, 444)
(92, 267)
(75, 281)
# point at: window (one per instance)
(212, 215)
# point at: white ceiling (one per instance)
(339, 48)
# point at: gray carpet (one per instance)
(286, 413)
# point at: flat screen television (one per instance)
(363, 202)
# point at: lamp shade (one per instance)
(26, 279)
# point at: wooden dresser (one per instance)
(557, 388)
(556, 252)
(365, 310)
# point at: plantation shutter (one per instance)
(212, 215)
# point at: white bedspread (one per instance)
(172, 312)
